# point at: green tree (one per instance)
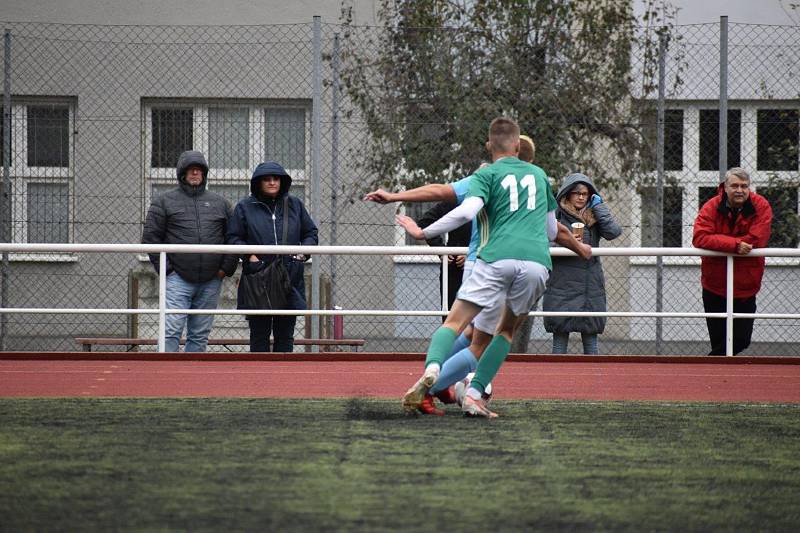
(430, 80)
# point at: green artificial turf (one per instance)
(357, 464)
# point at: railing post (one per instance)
(316, 139)
(445, 283)
(729, 306)
(162, 301)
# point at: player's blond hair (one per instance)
(527, 150)
(504, 134)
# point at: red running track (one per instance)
(592, 380)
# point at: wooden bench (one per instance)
(333, 344)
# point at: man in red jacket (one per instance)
(735, 221)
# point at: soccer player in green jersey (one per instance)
(515, 209)
(469, 346)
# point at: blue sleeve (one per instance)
(461, 188)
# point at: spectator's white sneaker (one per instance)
(415, 395)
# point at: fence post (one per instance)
(334, 161)
(316, 143)
(162, 301)
(5, 219)
(662, 49)
(723, 97)
(729, 306)
(723, 168)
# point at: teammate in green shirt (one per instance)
(516, 220)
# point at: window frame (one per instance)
(22, 175)
(757, 147)
(220, 176)
(680, 189)
(649, 118)
(766, 190)
(731, 138)
(691, 177)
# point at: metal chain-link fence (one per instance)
(97, 115)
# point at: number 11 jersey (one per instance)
(513, 222)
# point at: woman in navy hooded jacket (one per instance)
(258, 219)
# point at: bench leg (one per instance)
(87, 347)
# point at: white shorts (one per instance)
(515, 283)
(487, 319)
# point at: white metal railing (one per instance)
(162, 311)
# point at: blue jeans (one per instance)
(589, 340)
(182, 294)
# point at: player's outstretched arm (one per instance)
(411, 227)
(432, 192)
(457, 217)
(565, 238)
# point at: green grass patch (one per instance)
(265, 464)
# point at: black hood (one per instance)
(187, 159)
(270, 168)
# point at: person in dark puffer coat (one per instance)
(258, 219)
(576, 284)
(190, 214)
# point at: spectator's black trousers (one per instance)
(742, 327)
(282, 330)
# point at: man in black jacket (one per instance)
(189, 214)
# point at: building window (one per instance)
(709, 138)
(673, 139)
(777, 139)
(228, 137)
(704, 194)
(672, 226)
(285, 139)
(48, 135)
(48, 212)
(41, 170)
(234, 136)
(172, 135)
(783, 200)
(232, 193)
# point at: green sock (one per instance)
(490, 362)
(441, 345)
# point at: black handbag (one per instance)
(269, 287)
